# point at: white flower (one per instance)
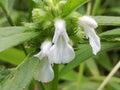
(44, 72)
(61, 51)
(89, 24)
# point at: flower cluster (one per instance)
(61, 52)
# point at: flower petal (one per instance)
(44, 73)
(60, 28)
(39, 55)
(61, 52)
(44, 50)
(46, 46)
(94, 40)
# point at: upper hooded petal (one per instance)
(87, 21)
(60, 29)
(44, 50)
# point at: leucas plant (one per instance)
(53, 17)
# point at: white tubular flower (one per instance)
(45, 72)
(61, 51)
(89, 24)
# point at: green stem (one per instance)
(31, 85)
(54, 84)
(54, 1)
(80, 75)
(96, 6)
(6, 13)
(23, 48)
(41, 86)
(31, 4)
(55, 80)
(89, 6)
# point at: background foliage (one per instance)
(20, 40)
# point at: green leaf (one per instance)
(115, 10)
(89, 85)
(111, 35)
(8, 4)
(38, 2)
(113, 32)
(4, 74)
(9, 39)
(92, 66)
(108, 20)
(7, 31)
(70, 76)
(115, 86)
(85, 53)
(71, 5)
(21, 76)
(13, 56)
(68, 86)
(106, 64)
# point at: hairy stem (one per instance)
(54, 84)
